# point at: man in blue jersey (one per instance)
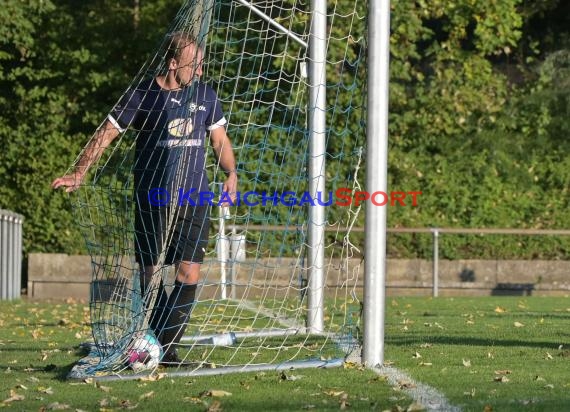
(173, 114)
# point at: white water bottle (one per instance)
(225, 339)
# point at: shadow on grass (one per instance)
(470, 341)
(58, 371)
(61, 372)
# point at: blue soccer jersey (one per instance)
(172, 127)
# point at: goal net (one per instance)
(281, 280)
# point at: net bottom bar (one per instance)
(316, 364)
(266, 333)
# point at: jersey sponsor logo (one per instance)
(179, 142)
(194, 107)
(180, 127)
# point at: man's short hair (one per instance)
(178, 41)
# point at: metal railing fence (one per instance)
(435, 233)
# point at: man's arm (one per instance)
(225, 155)
(102, 138)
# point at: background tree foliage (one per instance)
(62, 66)
(475, 117)
(479, 116)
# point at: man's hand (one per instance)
(102, 138)
(71, 182)
(230, 186)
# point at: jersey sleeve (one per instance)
(216, 116)
(125, 112)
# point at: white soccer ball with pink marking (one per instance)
(144, 353)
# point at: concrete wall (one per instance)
(59, 276)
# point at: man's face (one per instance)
(189, 65)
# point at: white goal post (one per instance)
(376, 179)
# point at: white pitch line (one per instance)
(430, 398)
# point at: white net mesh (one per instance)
(250, 306)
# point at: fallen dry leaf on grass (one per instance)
(344, 401)
(146, 395)
(502, 379)
(415, 407)
(48, 391)
(284, 377)
(126, 404)
(56, 406)
(404, 384)
(193, 399)
(14, 397)
(378, 378)
(103, 388)
(471, 393)
(352, 365)
(216, 406)
(215, 393)
(333, 393)
(153, 377)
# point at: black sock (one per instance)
(176, 314)
(159, 302)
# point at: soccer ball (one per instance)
(145, 353)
